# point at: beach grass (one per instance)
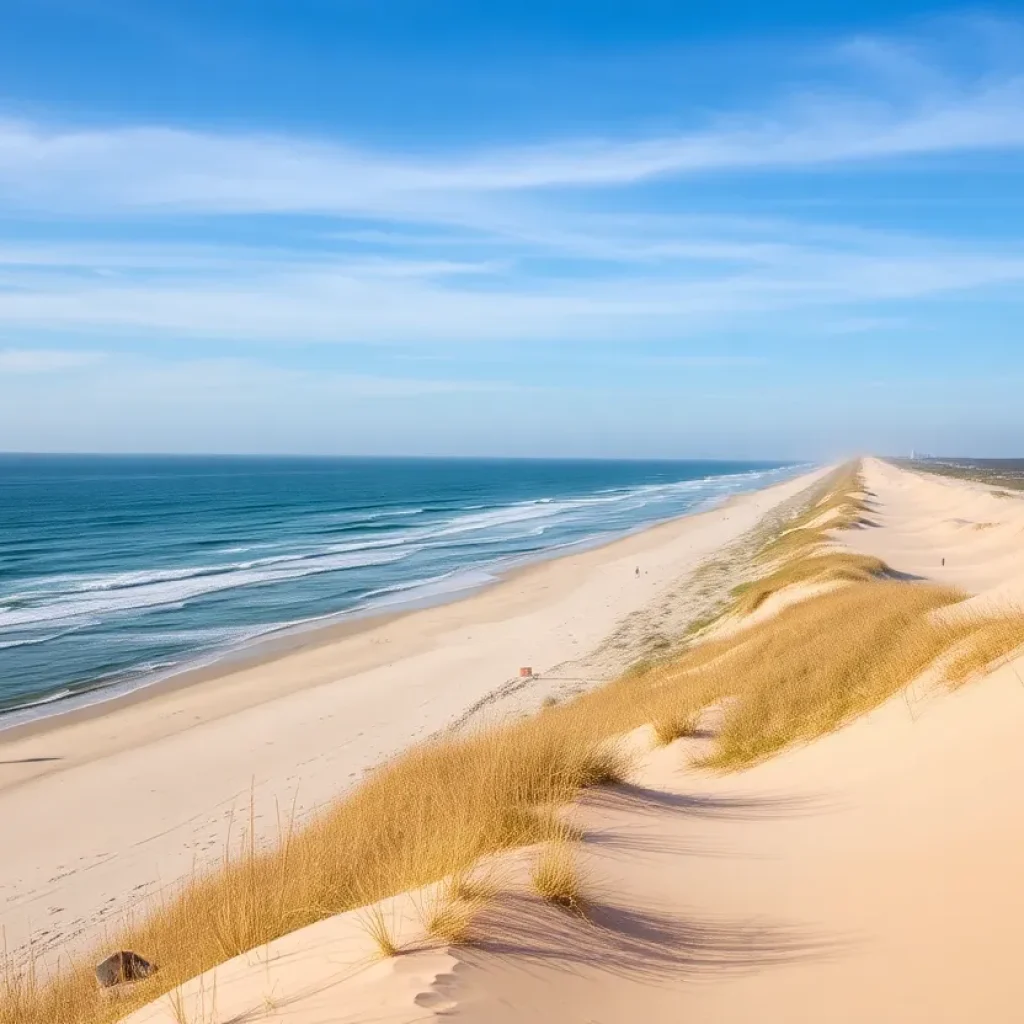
(807, 569)
(556, 876)
(430, 814)
(381, 931)
(675, 723)
(452, 910)
(434, 812)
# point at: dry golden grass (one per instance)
(838, 504)
(432, 813)
(822, 662)
(830, 567)
(473, 887)
(427, 815)
(201, 1009)
(454, 907)
(674, 724)
(814, 666)
(381, 931)
(991, 639)
(556, 876)
(452, 923)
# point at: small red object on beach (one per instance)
(525, 672)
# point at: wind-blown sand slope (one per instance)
(873, 875)
(925, 518)
(98, 810)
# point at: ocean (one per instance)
(119, 570)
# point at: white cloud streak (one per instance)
(45, 361)
(487, 215)
(418, 303)
(159, 169)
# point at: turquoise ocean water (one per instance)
(117, 570)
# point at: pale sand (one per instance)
(873, 875)
(99, 810)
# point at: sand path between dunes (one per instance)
(99, 810)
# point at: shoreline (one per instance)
(302, 637)
(278, 643)
(140, 793)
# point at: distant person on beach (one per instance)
(638, 572)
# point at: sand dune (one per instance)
(873, 874)
(925, 520)
(328, 973)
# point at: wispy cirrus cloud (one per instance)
(166, 170)
(491, 244)
(40, 361)
(359, 301)
(900, 105)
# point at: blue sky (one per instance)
(619, 229)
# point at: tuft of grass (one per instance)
(605, 766)
(455, 907)
(452, 923)
(473, 887)
(675, 726)
(556, 877)
(19, 990)
(380, 930)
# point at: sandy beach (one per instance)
(872, 874)
(108, 805)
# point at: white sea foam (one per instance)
(159, 591)
(32, 641)
(39, 701)
(71, 597)
(394, 513)
(426, 590)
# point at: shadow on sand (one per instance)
(755, 807)
(644, 944)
